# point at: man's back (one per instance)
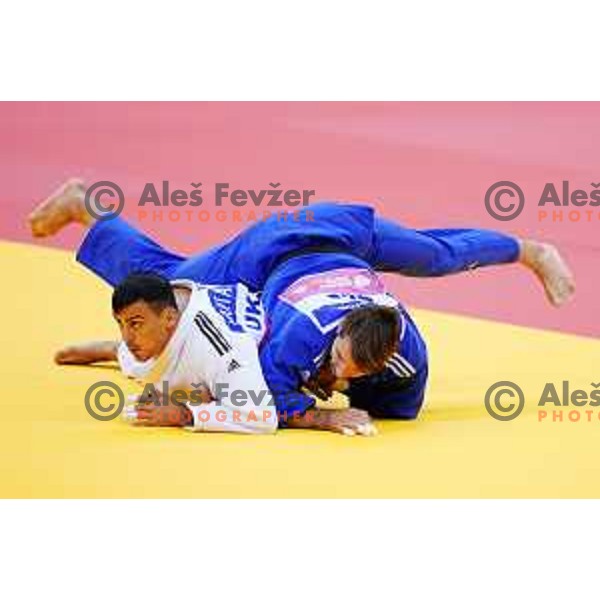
(306, 299)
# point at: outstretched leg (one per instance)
(112, 249)
(439, 252)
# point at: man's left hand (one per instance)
(153, 415)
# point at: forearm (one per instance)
(313, 418)
(88, 353)
(214, 417)
(349, 421)
(239, 403)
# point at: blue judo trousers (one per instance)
(336, 242)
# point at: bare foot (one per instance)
(65, 206)
(550, 267)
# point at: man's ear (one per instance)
(170, 316)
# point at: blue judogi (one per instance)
(302, 325)
(344, 242)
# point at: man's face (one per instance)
(342, 364)
(145, 331)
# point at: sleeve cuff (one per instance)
(293, 404)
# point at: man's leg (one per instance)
(253, 254)
(439, 252)
(112, 249)
(385, 245)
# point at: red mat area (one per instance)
(426, 164)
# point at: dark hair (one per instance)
(147, 287)
(373, 331)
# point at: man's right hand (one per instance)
(349, 421)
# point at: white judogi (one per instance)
(214, 345)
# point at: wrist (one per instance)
(313, 418)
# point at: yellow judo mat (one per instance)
(51, 447)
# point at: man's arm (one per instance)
(350, 421)
(244, 405)
(233, 397)
(297, 410)
(241, 400)
(88, 353)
